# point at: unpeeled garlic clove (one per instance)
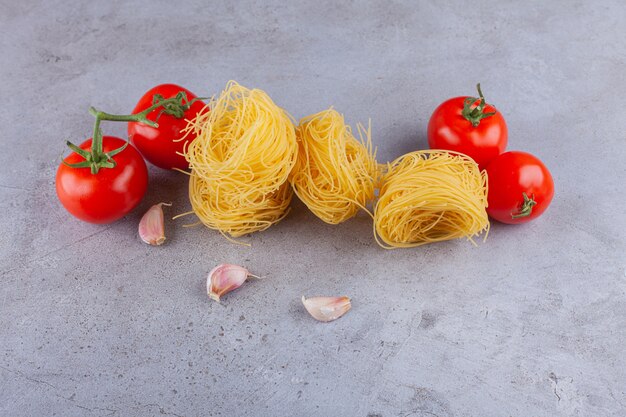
(225, 278)
(152, 225)
(326, 308)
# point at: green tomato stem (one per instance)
(526, 208)
(96, 158)
(96, 147)
(475, 114)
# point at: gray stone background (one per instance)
(530, 323)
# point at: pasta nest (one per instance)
(335, 174)
(240, 160)
(431, 196)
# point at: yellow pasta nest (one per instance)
(335, 173)
(430, 196)
(244, 150)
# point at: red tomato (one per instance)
(158, 144)
(520, 187)
(111, 193)
(482, 137)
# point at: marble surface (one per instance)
(531, 322)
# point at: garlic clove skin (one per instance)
(152, 225)
(326, 308)
(225, 278)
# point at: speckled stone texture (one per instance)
(531, 322)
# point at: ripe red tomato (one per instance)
(470, 126)
(111, 193)
(520, 187)
(158, 144)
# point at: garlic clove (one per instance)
(225, 278)
(152, 225)
(326, 308)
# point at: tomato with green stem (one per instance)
(109, 194)
(105, 177)
(470, 126)
(163, 145)
(520, 187)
